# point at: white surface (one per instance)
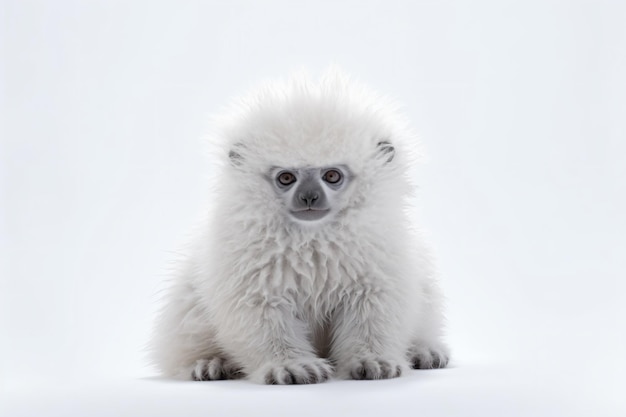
(467, 391)
(520, 107)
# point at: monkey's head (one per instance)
(310, 154)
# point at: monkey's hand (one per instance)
(297, 371)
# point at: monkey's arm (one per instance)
(265, 336)
(368, 334)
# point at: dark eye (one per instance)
(332, 176)
(286, 178)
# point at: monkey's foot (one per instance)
(376, 368)
(422, 357)
(215, 368)
(301, 371)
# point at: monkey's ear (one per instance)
(235, 155)
(386, 149)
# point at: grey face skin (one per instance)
(309, 194)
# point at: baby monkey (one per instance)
(307, 265)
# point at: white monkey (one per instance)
(307, 267)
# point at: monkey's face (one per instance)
(295, 188)
(310, 195)
(312, 156)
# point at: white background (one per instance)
(521, 107)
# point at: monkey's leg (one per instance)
(428, 355)
(184, 344)
(427, 350)
(272, 344)
(368, 338)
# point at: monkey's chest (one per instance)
(316, 281)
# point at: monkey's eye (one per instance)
(286, 178)
(332, 176)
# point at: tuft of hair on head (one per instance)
(300, 120)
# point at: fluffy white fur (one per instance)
(279, 301)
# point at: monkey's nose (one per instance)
(309, 198)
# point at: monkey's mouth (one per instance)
(310, 214)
